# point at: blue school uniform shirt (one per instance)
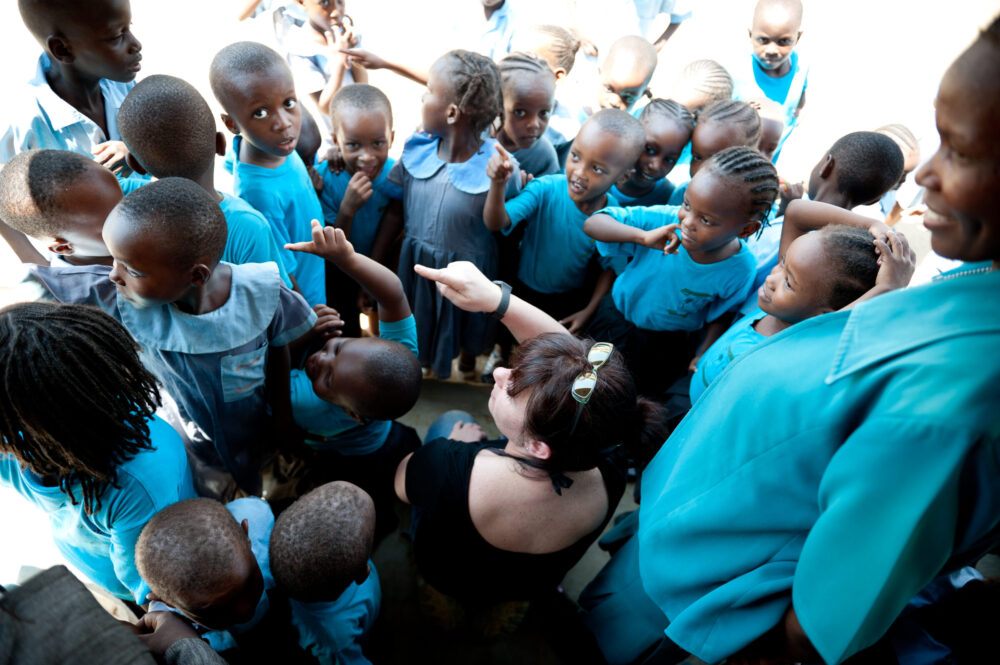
(102, 545)
(330, 426)
(785, 90)
(539, 159)
(250, 239)
(334, 631)
(369, 216)
(866, 468)
(659, 195)
(498, 32)
(212, 365)
(286, 197)
(740, 338)
(555, 251)
(658, 291)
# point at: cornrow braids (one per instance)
(76, 398)
(854, 260)
(668, 108)
(708, 78)
(754, 169)
(559, 42)
(736, 113)
(476, 81)
(519, 64)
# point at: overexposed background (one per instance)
(872, 62)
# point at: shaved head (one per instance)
(779, 11)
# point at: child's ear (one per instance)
(828, 165)
(749, 229)
(560, 73)
(392, 137)
(538, 449)
(230, 125)
(60, 49)
(200, 274)
(60, 246)
(353, 415)
(134, 164)
(453, 114)
(245, 525)
(220, 144)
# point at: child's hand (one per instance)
(693, 365)
(896, 260)
(366, 59)
(359, 190)
(880, 231)
(462, 283)
(159, 630)
(666, 238)
(335, 160)
(340, 44)
(327, 241)
(328, 322)
(467, 432)
(110, 155)
(500, 167)
(577, 321)
(790, 191)
(317, 179)
(526, 178)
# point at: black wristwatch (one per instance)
(504, 300)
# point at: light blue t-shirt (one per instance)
(555, 251)
(250, 239)
(286, 197)
(740, 337)
(329, 421)
(660, 291)
(659, 195)
(333, 631)
(102, 544)
(369, 216)
(498, 32)
(785, 90)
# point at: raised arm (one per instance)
(607, 229)
(369, 60)
(802, 216)
(462, 283)
(499, 169)
(382, 283)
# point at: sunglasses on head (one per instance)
(586, 381)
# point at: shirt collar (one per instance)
(421, 159)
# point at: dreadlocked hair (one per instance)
(855, 264)
(557, 41)
(76, 398)
(751, 167)
(520, 64)
(668, 108)
(735, 113)
(476, 81)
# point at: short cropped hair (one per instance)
(321, 543)
(189, 547)
(45, 17)
(638, 48)
(868, 165)
(168, 127)
(360, 97)
(623, 125)
(31, 186)
(393, 377)
(238, 60)
(186, 219)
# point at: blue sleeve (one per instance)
(525, 205)
(646, 218)
(269, 205)
(292, 319)
(403, 331)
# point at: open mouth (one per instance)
(576, 187)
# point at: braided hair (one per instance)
(748, 166)
(519, 64)
(76, 398)
(705, 78)
(476, 82)
(851, 252)
(670, 109)
(735, 113)
(556, 41)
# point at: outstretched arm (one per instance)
(382, 283)
(606, 229)
(462, 283)
(369, 60)
(802, 216)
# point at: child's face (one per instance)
(143, 275)
(101, 42)
(621, 84)
(438, 100)
(797, 287)
(324, 14)
(527, 103)
(364, 139)
(264, 109)
(595, 162)
(665, 140)
(92, 198)
(337, 371)
(234, 603)
(712, 137)
(770, 135)
(961, 178)
(713, 213)
(773, 36)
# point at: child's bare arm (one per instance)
(607, 229)
(339, 64)
(22, 247)
(578, 321)
(331, 243)
(897, 261)
(801, 217)
(369, 60)
(499, 169)
(389, 229)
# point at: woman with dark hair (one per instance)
(504, 520)
(79, 438)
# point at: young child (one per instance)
(254, 86)
(89, 64)
(349, 391)
(849, 259)
(776, 70)
(772, 125)
(170, 132)
(61, 199)
(904, 194)
(708, 267)
(443, 176)
(106, 464)
(498, 32)
(320, 555)
(668, 126)
(556, 263)
(205, 327)
(723, 124)
(701, 83)
(625, 73)
(529, 90)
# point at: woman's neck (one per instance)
(458, 145)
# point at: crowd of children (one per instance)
(183, 342)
